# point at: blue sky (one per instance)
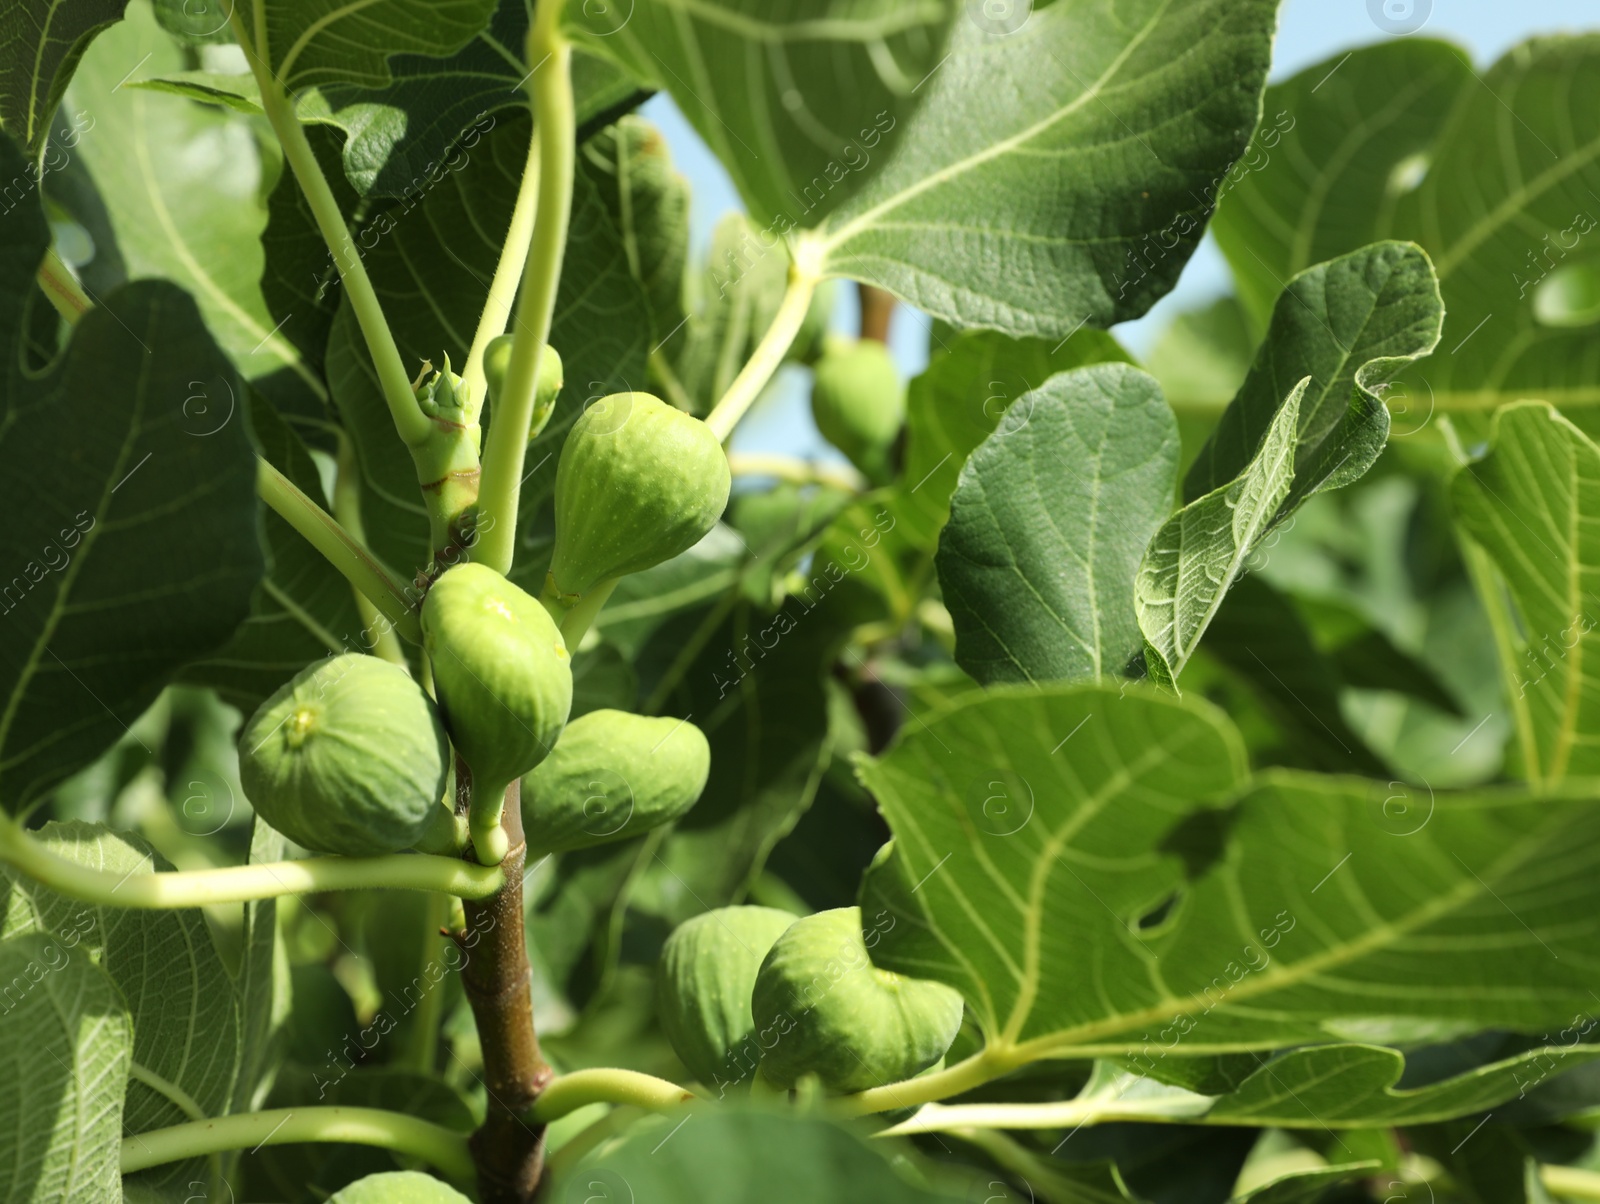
(1309, 32)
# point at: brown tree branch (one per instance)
(508, 1151)
(877, 308)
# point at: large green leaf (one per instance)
(41, 42)
(1533, 504)
(797, 100)
(182, 184)
(315, 45)
(64, 1050)
(405, 136)
(959, 399)
(730, 1157)
(1199, 552)
(1492, 175)
(1339, 143)
(181, 997)
(649, 203)
(1059, 859)
(431, 267)
(1345, 1086)
(1074, 193)
(1049, 523)
(1350, 325)
(131, 544)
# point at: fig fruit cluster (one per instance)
(354, 757)
(747, 990)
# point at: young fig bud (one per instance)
(613, 776)
(703, 982)
(496, 359)
(638, 482)
(504, 683)
(858, 402)
(440, 395)
(349, 757)
(840, 1017)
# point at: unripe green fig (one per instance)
(638, 482)
(348, 757)
(703, 983)
(858, 402)
(843, 1019)
(504, 684)
(497, 358)
(398, 1187)
(612, 776)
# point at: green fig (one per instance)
(348, 757)
(638, 483)
(841, 1018)
(504, 683)
(398, 1187)
(614, 775)
(859, 403)
(703, 982)
(497, 358)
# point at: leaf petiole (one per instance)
(240, 883)
(608, 1085)
(774, 345)
(343, 550)
(413, 425)
(443, 1148)
(511, 426)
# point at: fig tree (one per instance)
(348, 757)
(703, 982)
(843, 1019)
(612, 776)
(398, 1187)
(638, 482)
(504, 684)
(497, 358)
(858, 402)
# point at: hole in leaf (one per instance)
(1569, 296)
(1408, 174)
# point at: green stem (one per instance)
(507, 274)
(769, 353)
(236, 884)
(409, 420)
(567, 1093)
(443, 1148)
(953, 1080)
(796, 471)
(576, 622)
(550, 88)
(1570, 1182)
(342, 549)
(347, 510)
(167, 1089)
(1486, 580)
(423, 1039)
(61, 286)
(671, 386)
